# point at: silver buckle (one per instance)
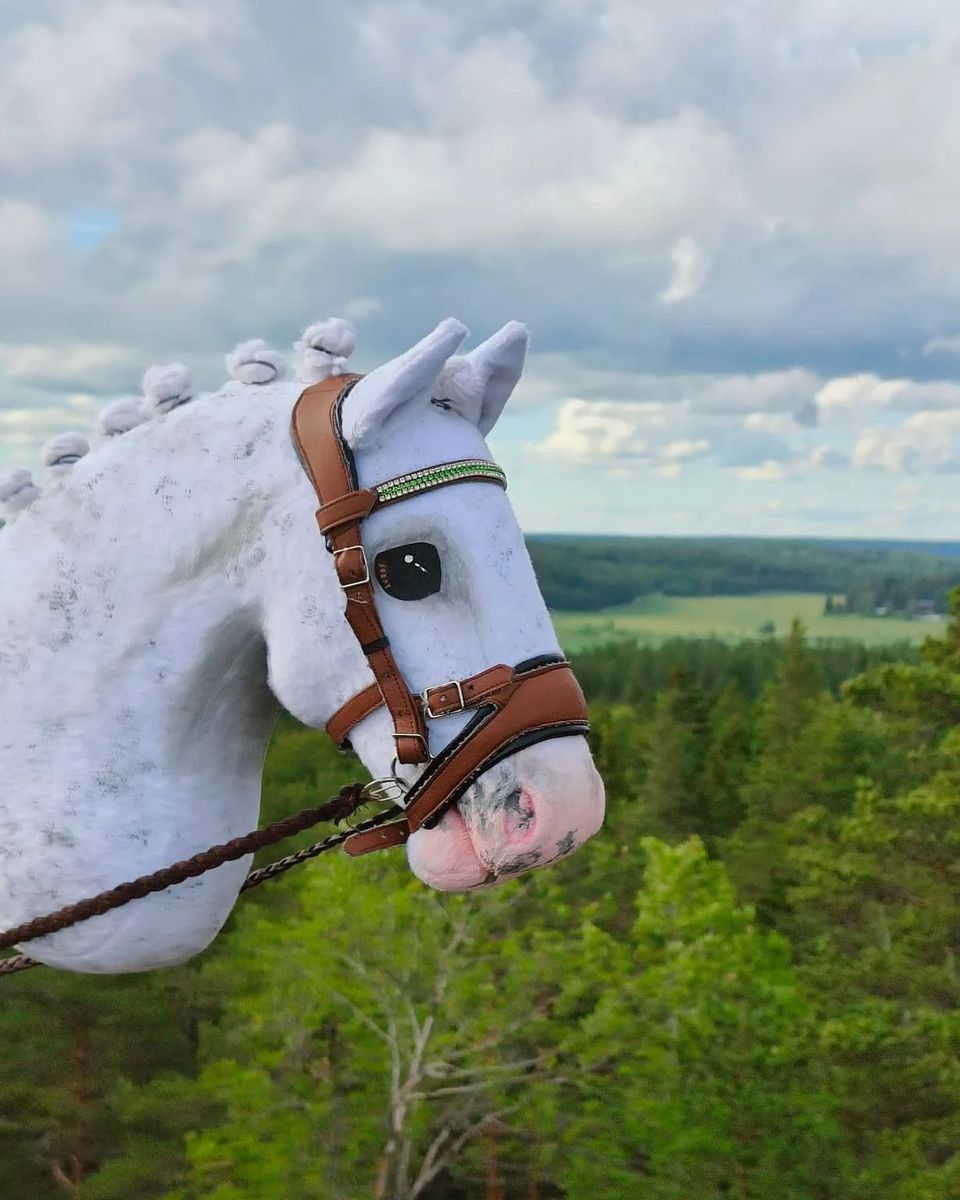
(455, 683)
(366, 567)
(420, 738)
(389, 790)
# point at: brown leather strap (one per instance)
(443, 700)
(453, 697)
(315, 434)
(385, 837)
(543, 702)
(346, 510)
(546, 698)
(352, 713)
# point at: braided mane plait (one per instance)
(322, 352)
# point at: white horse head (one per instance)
(173, 591)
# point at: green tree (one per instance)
(693, 1030)
(875, 914)
(76, 1052)
(672, 791)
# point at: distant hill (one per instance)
(585, 574)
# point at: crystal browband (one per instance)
(424, 480)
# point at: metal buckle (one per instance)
(425, 697)
(389, 790)
(366, 567)
(420, 738)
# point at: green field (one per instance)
(655, 618)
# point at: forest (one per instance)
(745, 987)
(590, 573)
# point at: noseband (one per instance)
(515, 706)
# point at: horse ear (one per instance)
(498, 363)
(402, 381)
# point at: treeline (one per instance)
(586, 574)
(746, 986)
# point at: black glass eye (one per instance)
(409, 572)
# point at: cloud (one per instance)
(942, 345)
(685, 448)
(103, 367)
(67, 84)
(723, 231)
(690, 269)
(769, 471)
(925, 443)
(852, 393)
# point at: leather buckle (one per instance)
(351, 583)
(461, 702)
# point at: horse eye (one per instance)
(409, 572)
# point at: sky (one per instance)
(732, 226)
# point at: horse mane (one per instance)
(322, 351)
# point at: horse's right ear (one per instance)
(498, 363)
(398, 383)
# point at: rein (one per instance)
(340, 808)
(516, 706)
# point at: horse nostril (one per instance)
(519, 817)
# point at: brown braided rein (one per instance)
(342, 806)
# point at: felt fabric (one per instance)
(120, 417)
(324, 349)
(17, 492)
(254, 362)
(62, 452)
(166, 388)
(176, 589)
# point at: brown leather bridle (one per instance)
(516, 706)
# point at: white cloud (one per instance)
(850, 393)
(75, 87)
(22, 430)
(685, 448)
(96, 365)
(690, 269)
(765, 472)
(587, 430)
(545, 162)
(949, 344)
(925, 442)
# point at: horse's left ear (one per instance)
(498, 363)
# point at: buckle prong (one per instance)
(425, 697)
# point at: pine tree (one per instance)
(694, 1032)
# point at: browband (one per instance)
(516, 706)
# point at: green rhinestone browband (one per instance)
(424, 480)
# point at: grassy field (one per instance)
(655, 618)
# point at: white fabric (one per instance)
(61, 453)
(324, 349)
(254, 362)
(166, 388)
(160, 605)
(17, 492)
(120, 417)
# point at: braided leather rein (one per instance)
(340, 808)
